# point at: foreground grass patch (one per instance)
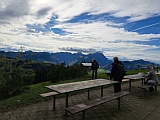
(29, 96)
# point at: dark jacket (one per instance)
(115, 72)
(95, 65)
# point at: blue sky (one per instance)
(124, 28)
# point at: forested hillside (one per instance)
(17, 74)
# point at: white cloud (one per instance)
(107, 36)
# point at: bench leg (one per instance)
(66, 113)
(83, 115)
(129, 85)
(119, 100)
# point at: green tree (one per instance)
(13, 79)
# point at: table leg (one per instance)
(129, 85)
(54, 102)
(143, 80)
(66, 113)
(101, 91)
(88, 94)
(119, 100)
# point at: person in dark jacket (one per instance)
(116, 75)
(94, 67)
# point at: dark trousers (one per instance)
(117, 86)
(150, 88)
(94, 74)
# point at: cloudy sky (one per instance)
(129, 29)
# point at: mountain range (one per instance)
(73, 58)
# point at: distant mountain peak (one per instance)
(72, 58)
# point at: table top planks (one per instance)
(74, 86)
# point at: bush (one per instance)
(60, 72)
(15, 81)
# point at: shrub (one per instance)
(60, 72)
(15, 81)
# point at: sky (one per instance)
(128, 29)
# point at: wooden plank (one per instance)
(74, 86)
(125, 80)
(147, 86)
(144, 87)
(49, 94)
(92, 103)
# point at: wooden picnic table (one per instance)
(75, 86)
(134, 77)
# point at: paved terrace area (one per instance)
(133, 107)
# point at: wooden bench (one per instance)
(145, 87)
(50, 94)
(125, 80)
(82, 107)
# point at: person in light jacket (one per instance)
(152, 78)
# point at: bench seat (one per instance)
(125, 80)
(50, 94)
(92, 103)
(145, 87)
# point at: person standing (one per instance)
(117, 73)
(94, 67)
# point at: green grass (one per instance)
(32, 95)
(136, 71)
